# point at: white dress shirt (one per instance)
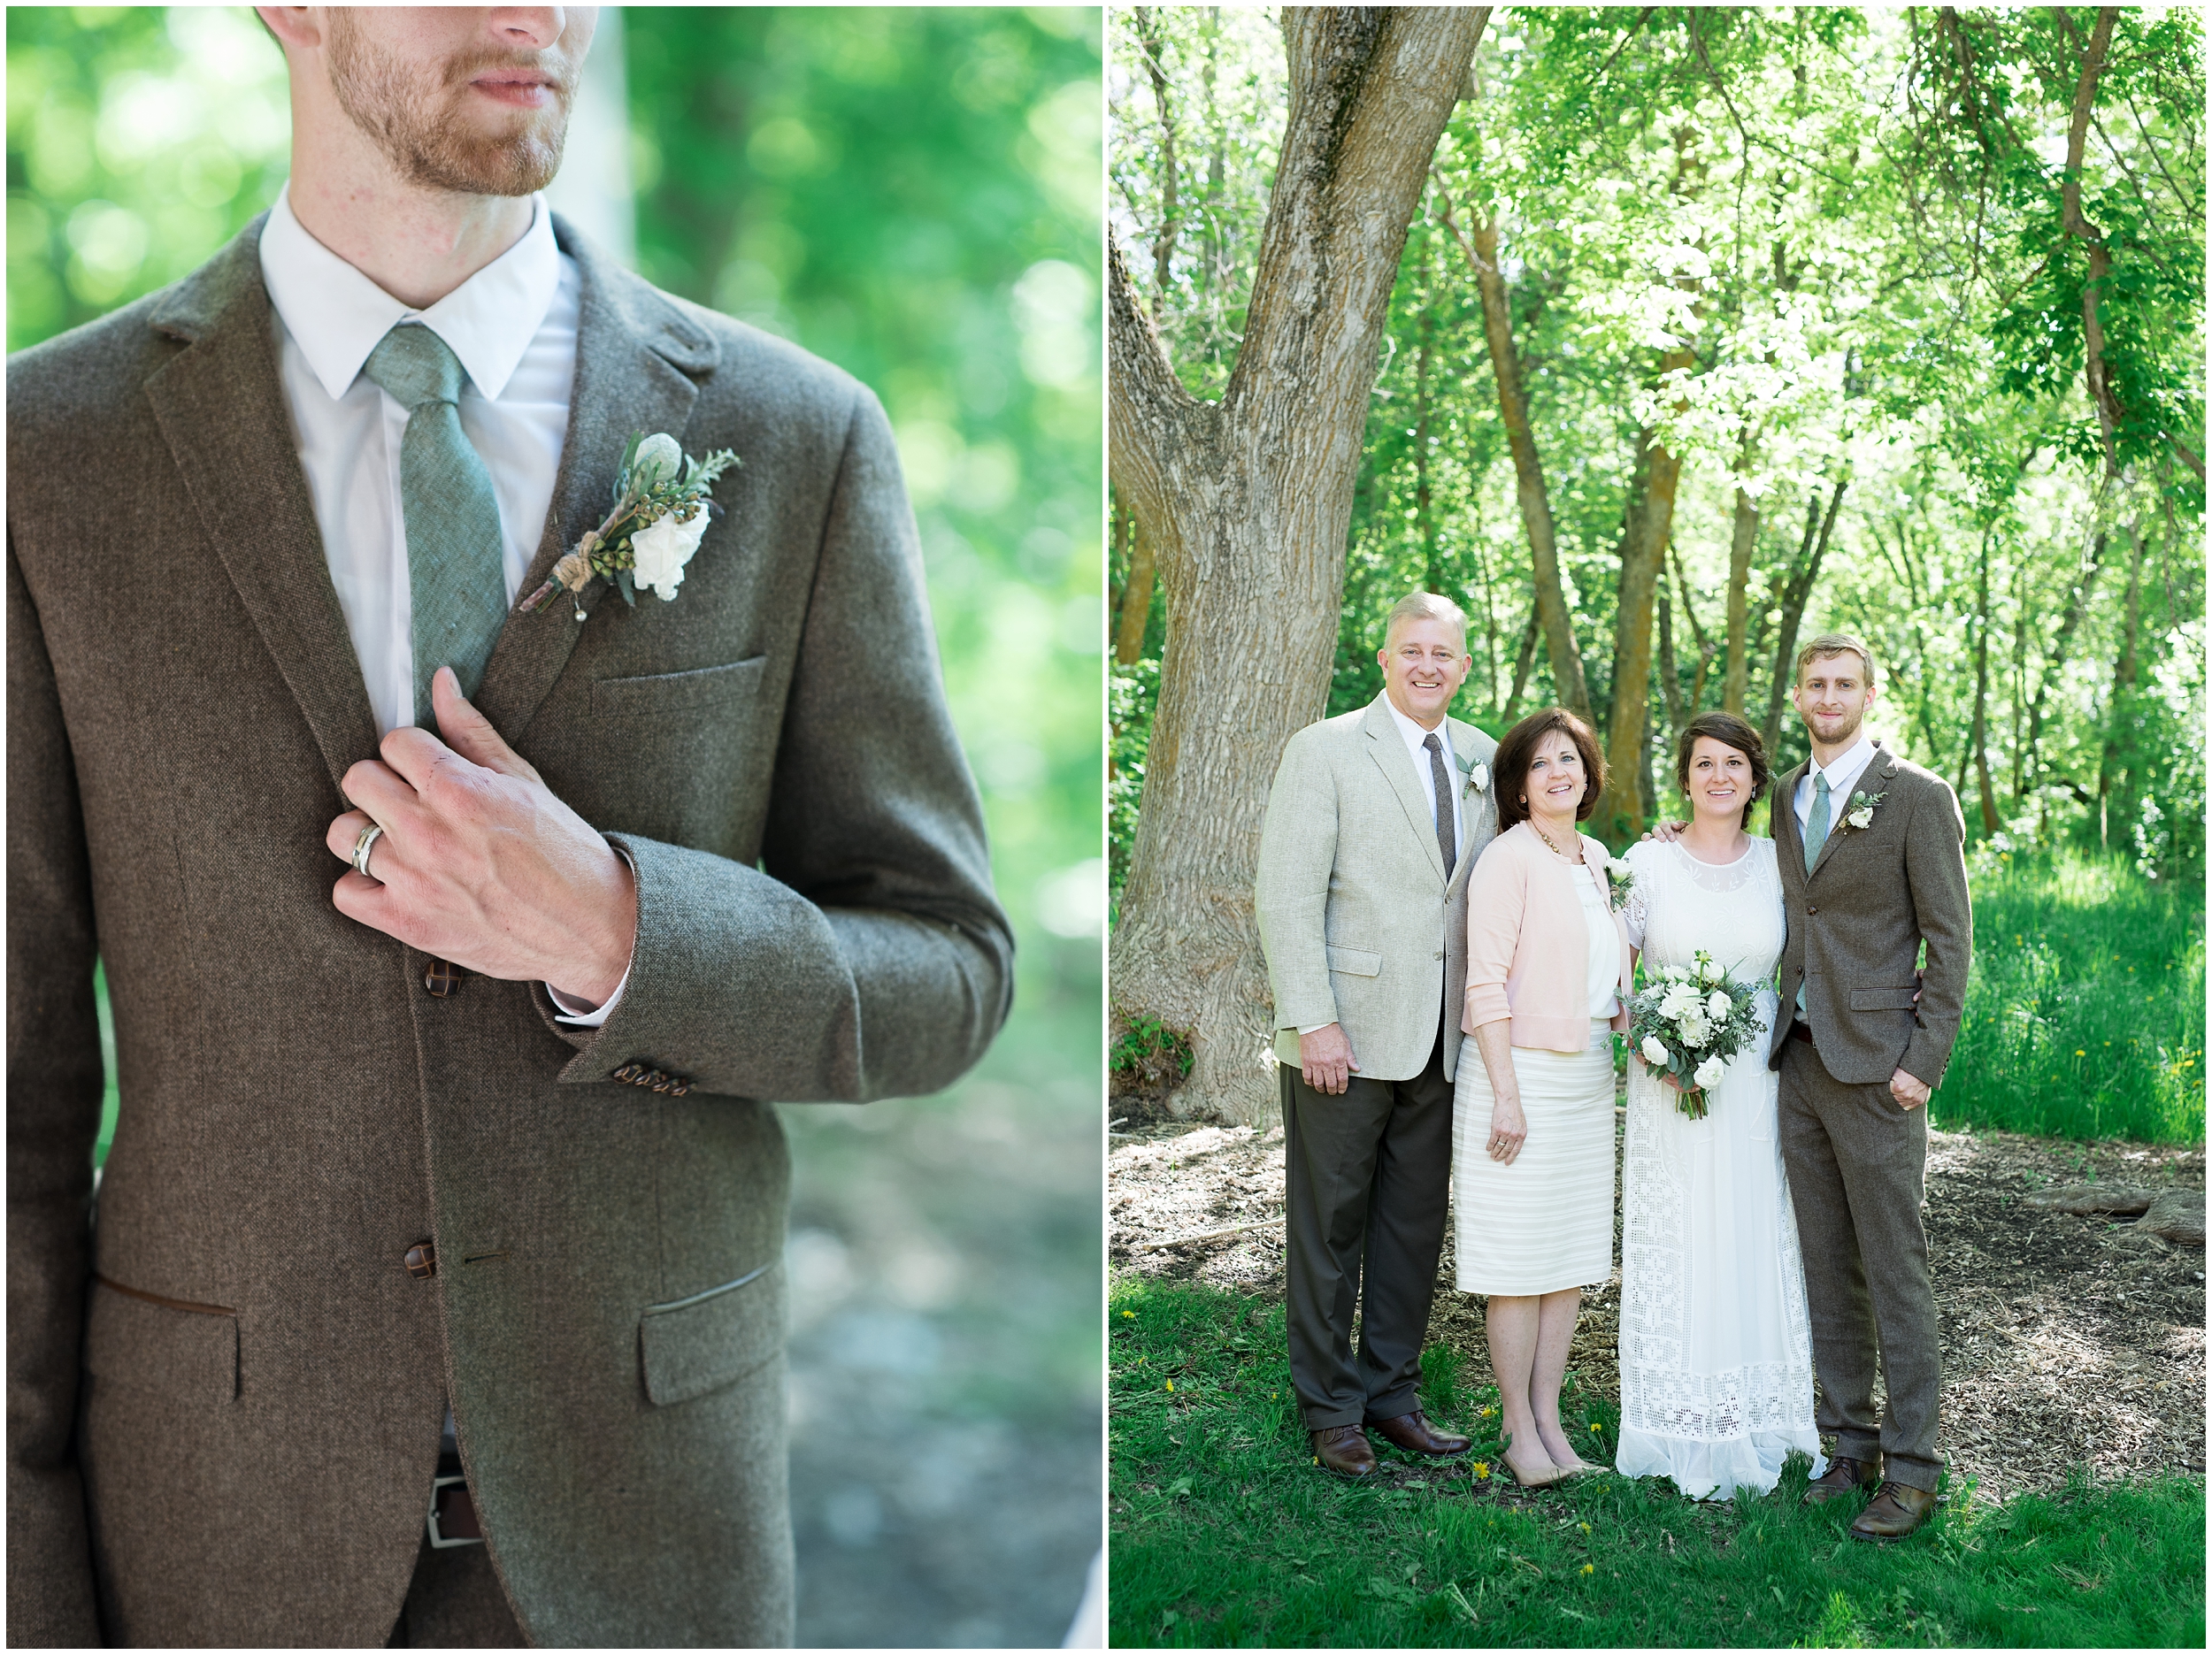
(512, 324)
(1413, 736)
(1843, 774)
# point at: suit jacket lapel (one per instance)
(1875, 766)
(1389, 753)
(1463, 747)
(636, 358)
(1789, 833)
(220, 409)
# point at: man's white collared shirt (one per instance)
(1413, 735)
(512, 324)
(1843, 774)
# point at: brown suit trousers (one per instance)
(235, 1444)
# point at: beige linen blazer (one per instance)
(224, 1396)
(1857, 921)
(1361, 923)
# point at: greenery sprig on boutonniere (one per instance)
(1620, 880)
(1475, 772)
(1861, 813)
(663, 503)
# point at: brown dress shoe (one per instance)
(1894, 1513)
(1345, 1450)
(1844, 1476)
(1413, 1433)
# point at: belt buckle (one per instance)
(438, 1486)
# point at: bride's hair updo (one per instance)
(1517, 751)
(1730, 731)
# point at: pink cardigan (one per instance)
(1527, 947)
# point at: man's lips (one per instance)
(518, 89)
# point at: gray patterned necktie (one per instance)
(456, 560)
(1439, 777)
(1816, 836)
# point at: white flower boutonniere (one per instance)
(1478, 775)
(663, 503)
(1620, 880)
(1861, 814)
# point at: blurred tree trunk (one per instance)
(1164, 239)
(1741, 544)
(2061, 645)
(1803, 572)
(1522, 665)
(1247, 503)
(1528, 470)
(1705, 645)
(1650, 524)
(1991, 822)
(2123, 676)
(1136, 594)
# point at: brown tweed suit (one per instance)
(249, 1462)
(1857, 1162)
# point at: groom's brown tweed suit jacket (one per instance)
(224, 1397)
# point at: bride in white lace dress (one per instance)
(1716, 1351)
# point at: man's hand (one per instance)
(1909, 1093)
(478, 863)
(1325, 1058)
(1665, 832)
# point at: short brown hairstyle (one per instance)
(1517, 752)
(1834, 644)
(1730, 731)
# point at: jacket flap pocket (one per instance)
(666, 693)
(133, 1339)
(700, 1344)
(1354, 962)
(1882, 999)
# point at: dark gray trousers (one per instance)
(454, 1602)
(1366, 1179)
(1857, 1166)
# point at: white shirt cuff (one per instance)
(1314, 1030)
(574, 1011)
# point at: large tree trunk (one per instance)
(1246, 503)
(1528, 470)
(1737, 685)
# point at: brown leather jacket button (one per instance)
(440, 979)
(421, 1260)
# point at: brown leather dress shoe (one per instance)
(1345, 1450)
(1844, 1476)
(1894, 1513)
(1413, 1433)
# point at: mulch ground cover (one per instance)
(2068, 1340)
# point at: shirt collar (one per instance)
(1847, 765)
(1412, 732)
(336, 315)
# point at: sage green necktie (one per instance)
(455, 561)
(1816, 836)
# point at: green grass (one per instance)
(1223, 1532)
(2085, 1013)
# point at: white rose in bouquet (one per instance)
(1678, 1003)
(1718, 1006)
(1695, 1030)
(1654, 1054)
(663, 549)
(1709, 1071)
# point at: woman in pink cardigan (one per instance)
(1547, 979)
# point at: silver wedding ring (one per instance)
(361, 847)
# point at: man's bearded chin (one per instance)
(413, 119)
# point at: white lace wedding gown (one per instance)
(1716, 1351)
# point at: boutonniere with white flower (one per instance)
(1860, 814)
(663, 503)
(1620, 879)
(1476, 774)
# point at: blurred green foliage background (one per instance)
(914, 195)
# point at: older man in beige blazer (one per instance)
(1375, 818)
(478, 1133)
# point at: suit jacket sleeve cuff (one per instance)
(742, 987)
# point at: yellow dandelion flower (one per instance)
(1596, 1425)
(1129, 1315)
(2079, 1053)
(1482, 1470)
(1170, 1385)
(1589, 1568)
(1584, 1527)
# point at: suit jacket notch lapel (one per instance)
(1836, 829)
(636, 357)
(1390, 754)
(220, 405)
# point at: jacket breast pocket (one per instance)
(1882, 999)
(1354, 962)
(691, 1346)
(148, 1343)
(702, 689)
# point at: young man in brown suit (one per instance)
(1869, 847)
(475, 1136)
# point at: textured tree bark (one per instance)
(1246, 503)
(1528, 470)
(1522, 663)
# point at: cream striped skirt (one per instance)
(1545, 1223)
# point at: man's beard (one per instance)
(413, 119)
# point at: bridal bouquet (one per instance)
(1689, 1021)
(662, 502)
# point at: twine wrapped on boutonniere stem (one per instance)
(660, 512)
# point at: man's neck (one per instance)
(1436, 723)
(418, 244)
(1823, 755)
